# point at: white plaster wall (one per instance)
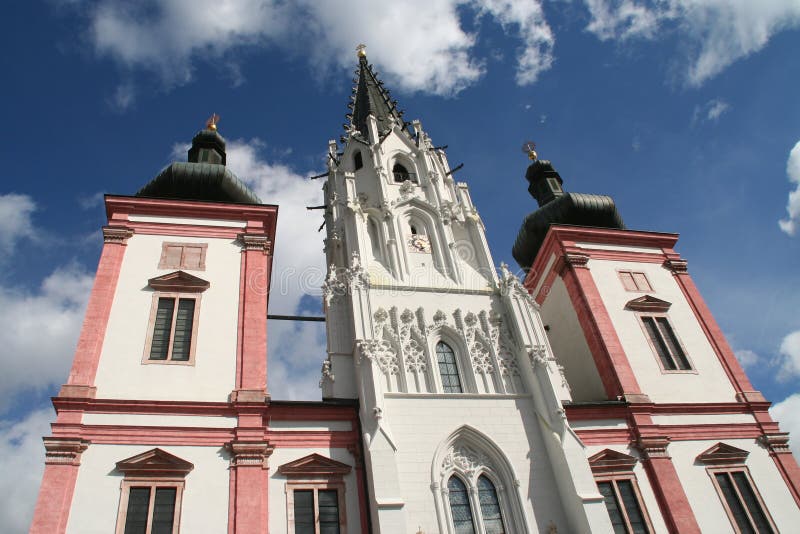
(646, 490)
(95, 504)
(708, 384)
(569, 345)
(158, 420)
(707, 504)
(121, 373)
(278, 520)
(419, 426)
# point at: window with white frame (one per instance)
(448, 368)
(616, 481)
(315, 495)
(725, 465)
(151, 493)
(172, 329)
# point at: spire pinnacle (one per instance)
(371, 98)
(211, 123)
(529, 148)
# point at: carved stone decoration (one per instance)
(676, 265)
(653, 446)
(333, 288)
(538, 356)
(439, 319)
(479, 352)
(511, 286)
(447, 212)
(116, 235)
(327, 373)
(356, 276)
(777, 443)
(247, 453)
(259, 243)
(505, 347)
(382, 353)
(465, 459)
(64, 450)
(407, 189)
(410, 342)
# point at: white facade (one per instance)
(410, 268)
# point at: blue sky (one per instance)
(685, 111)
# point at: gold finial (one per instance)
(361, 50)
(530, 149)
(212, 121)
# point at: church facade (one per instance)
(596, 395)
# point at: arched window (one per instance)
(358, 161)
(401, 174)
(374, 238)
(459, 506)
(448, 369)
(490, 507)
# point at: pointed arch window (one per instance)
(448, 368)
(401, 174)
(460, 507)
(490, 507)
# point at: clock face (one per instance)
(419, 243)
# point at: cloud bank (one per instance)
(789, 225)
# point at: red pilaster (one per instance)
(666, 485)
(90, 343)
(63, 458)
(250, 484)
(251, 379)
(778, 446)
(612, 363)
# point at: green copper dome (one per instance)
(204, 177)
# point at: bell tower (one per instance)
(458, 389)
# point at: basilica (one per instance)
(596, 395)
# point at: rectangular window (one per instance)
(624, 508)
(670, 352)
(173, 330)
(150, 510)
(742, 503)
(314, 507)
(190, 256)
(634, 281)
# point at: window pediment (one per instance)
(314, 465)
(722, 453)
(648, 303)
(179, 281)
(155, 462)
(610, 460)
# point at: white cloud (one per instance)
(789, 358)
(22, 464)
(717, 32)
(789, 225)
(711, 111)
(787, 413)
(419, 45)
(40, 331)
(15, 220)
(747, 358)
(296, 350)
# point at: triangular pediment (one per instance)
(155, 462)
(179, 281)
(314, 464)
(610, 460)
(648, 303)
(722, 453)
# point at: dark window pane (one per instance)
(735, 506)
(304, 512)
(328, 511)
(358, 161)
(752, 504)
(138, 508)
(614, 512)
(459, 506)
(658, 343)
(451, 383)
(162, 329)
(164, 511)
(490, 507)
(672, 341)
(183, 330)
(631, 505)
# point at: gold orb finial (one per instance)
(361, 50)
(212, 121)
(529, 147)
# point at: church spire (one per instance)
(371, 98)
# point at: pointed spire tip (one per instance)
(361, 50)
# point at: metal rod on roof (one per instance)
(316, 207)
(296, 318)
(324, 174)
(454, 169)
